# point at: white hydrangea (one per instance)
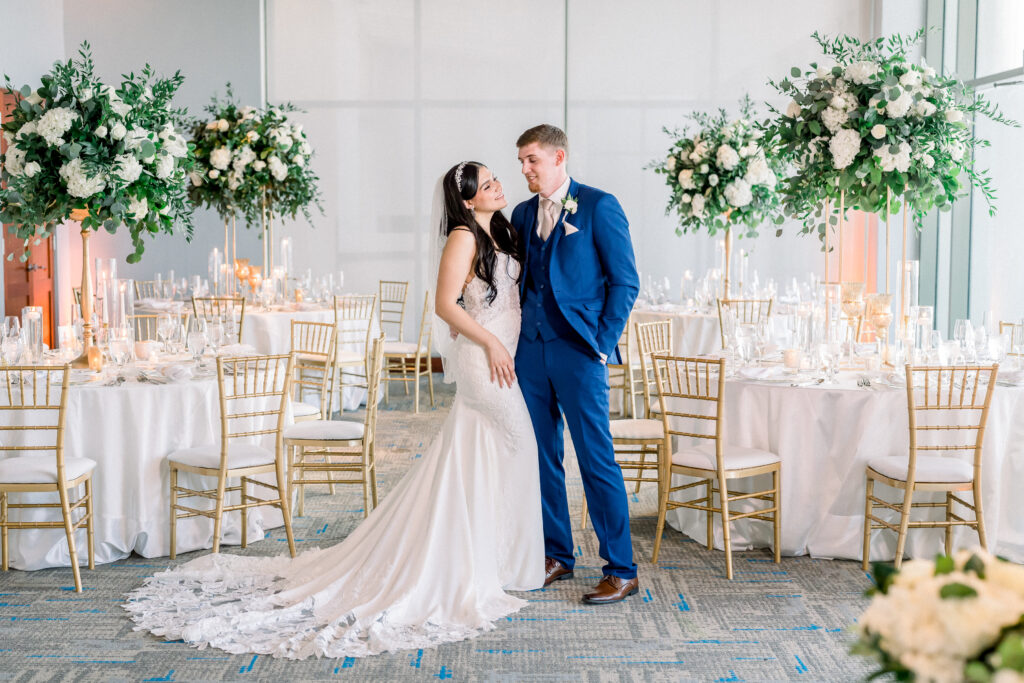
(899, 161)
(899, 107)
(844, 146)
(281, 137)
(738, 193)
(118, 131)
(234, 179)
(670, 163)
(138, 208)
(246, 113)
(252, 136)
(243, 157)
(54, 123)
(299, 160)
(306, 148)
(26, 128)
(278, 169)
(176, 145)
(685, 178)
(164, 166)
(220, 157)
(833, 118)
(259, 165)
(911, 79)
(823, 72)
(78, 182)
(954, 115)
(861, 72)
(727, 158)
(697, 206)
(748, 150)
(14, 160)
(134, 138)
(32, 168)
(8, 137)
(955, 149)
(127, 167)
(759, 173)
(700, 150)
(924, 108)
(793, 109)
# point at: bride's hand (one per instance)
(503, 368)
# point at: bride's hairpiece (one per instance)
(458, 175)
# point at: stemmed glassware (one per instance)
(166, 326)
(12, 345)
(197, 339)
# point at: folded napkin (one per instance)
(1015, 377)
(177, 373)
(760, 373)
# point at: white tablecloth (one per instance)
(825, 435)
(129, 430)
(271, 332)
(693, 334)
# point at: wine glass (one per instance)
(215, 333)
(762, 337)
(165, 328)
(197, 340)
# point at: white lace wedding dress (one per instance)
(429, 565)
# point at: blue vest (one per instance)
(541, 317)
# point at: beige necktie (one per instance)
(547, 221)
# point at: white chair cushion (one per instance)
(344, 357)
(394, 348)
(239, 455)
(300, 409)
(736, 457)
(637, 429)
(930, 468)
(41, 469)
(325, 430)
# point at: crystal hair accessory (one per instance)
(458, 175)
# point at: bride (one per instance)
(431, 563)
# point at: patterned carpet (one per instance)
(772, 623)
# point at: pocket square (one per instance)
(569, 228)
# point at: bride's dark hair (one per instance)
(456, 194)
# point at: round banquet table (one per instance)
(270, 331)
(693, 333)
(825, 434)
(129, 430)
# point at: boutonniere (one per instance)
(569, 204)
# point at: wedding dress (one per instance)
(428, 566)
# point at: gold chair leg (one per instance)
(405, 376)
(430, 383)
(174, 513)
(901, 541)
(664, 484)
(330, 474)
(366, 494)
(69, 529)
(373, 473)
(949, 527)
(777, 517)
(300, 460)
(584, 512)
(285, 504)
(866, 553)
(88, 523)
(978, 516)
(723, 500)
(242, 494)
(3, 528)
(416, 391)
(709, 518)
(640, 470)
(222, 483)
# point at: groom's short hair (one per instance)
(545, 134)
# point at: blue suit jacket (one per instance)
(593, 270)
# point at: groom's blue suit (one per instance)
(577, 289)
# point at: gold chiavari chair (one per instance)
(147, 289)
(635, 439)
(314, 346)
(353, 315)
(623, 376)
(344, 447)
(211, 307)
(652, 337)
(745, 312)
(37, 398)
(254, 394)
(944, 405)
(391, 313)
(146, 325)
(412, 361)
(1016, 331)
(692, 394)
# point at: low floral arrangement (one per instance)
(722, 174)
(247, 156)
(868, 120)
(955, 619)
(76, 144)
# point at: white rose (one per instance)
(685, 178)
(686, 199)
(127, 167)
(220, 157)
(793, 109)
(31, 169)
(259, 165)
(861, 72)
(704, 168)
(822, 72)
(214, 174)
(252, 136)
(278, 169)
(299, 160)
(211, 125)
(700, 150)
(164, 166)
(118, 131)
(135, 137)
(697, 205)
(85, 94)
(713, 179)
(899, 107)
(138, 208)
(878, 131)
(924, 108)
(670, 163)
(14, 160)
(222, 125)
(101, 132)
(928, 160)
(196, 179)
(243, 157)
(758, 173)
(175, 145)
(305, 148)
(727, 157)
(954, 115)
(911, 79)
(34, 98)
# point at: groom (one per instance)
(578, 286)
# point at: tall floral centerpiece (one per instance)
(721, 174)
(253, 163)
(111, 158)
(866, 126)
(955, 619)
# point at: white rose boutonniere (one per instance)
(570, 204)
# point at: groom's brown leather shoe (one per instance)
(555, 571)
(612, 589)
